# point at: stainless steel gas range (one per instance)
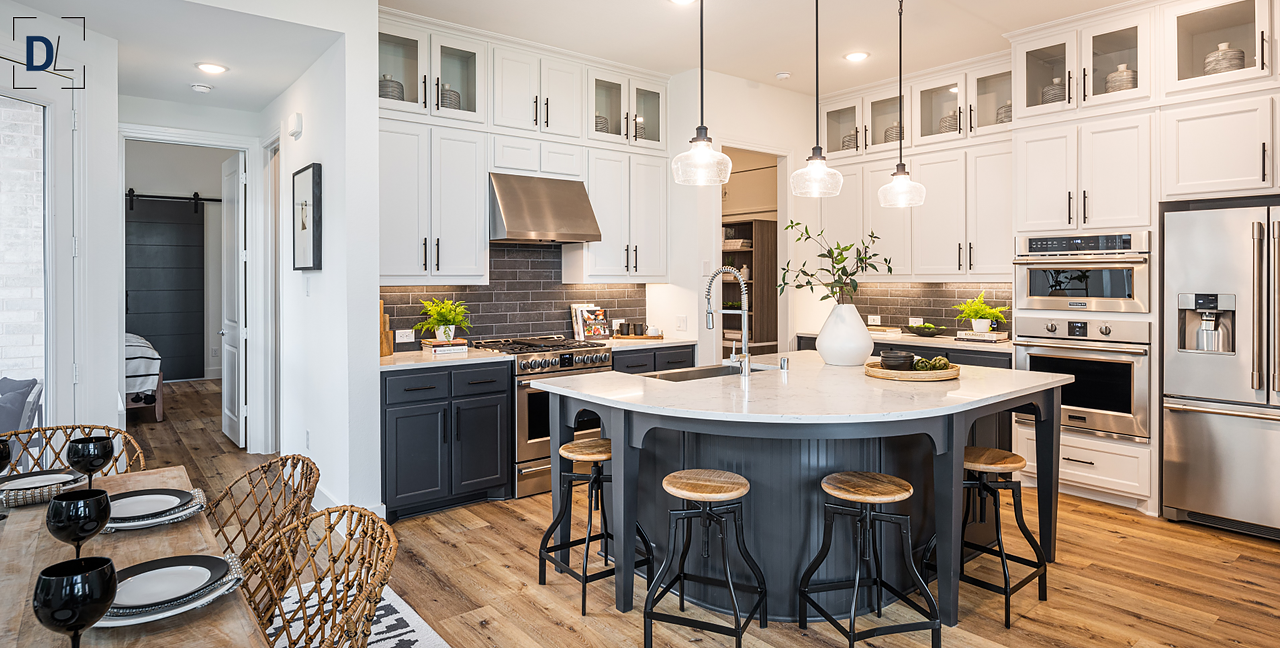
(543, 357)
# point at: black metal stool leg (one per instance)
(1004, 557)
(751, 564)
(684, 554)
(604, 517)
(857, 577)
(936, 631)
(586, 548)
(728, 579)
(656, 585)
(1031, 540)
(648, 551)
(828, 521)
(874, 543)
(566, 490)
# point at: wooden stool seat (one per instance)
(588, 450)
(702, 485)
(991, 460)
(866, 487)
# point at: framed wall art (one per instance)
(306, 218)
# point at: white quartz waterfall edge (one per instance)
(395, 624)
(844, 340)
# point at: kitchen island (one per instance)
(784, 431)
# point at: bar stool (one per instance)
(595, 451)
(866, 489)
(986, 464)
(705, 487)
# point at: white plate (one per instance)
(138, 619)
(142, 505)
(161, 585)
(37, 481)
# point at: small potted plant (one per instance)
(979, 314)
(444, 316)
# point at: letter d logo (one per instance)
(31, 53)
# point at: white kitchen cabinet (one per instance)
(989, 89)
(404, 55)
(623, 110)
(940, 109)
(1219, 147)
(882, 114)
(1115, 173)
(938, 226)
(404, 206)
(1107, 45)
(1117, 466)
(562, 100)
(842, 214)
(845, 129)
(648, 228)
(989, 199)
(1045, 178)
(515, 89)
(1044, 75)
(1195, 28)
(549, 158)
(648, 114)
(628, 195)
(459, 204)
(458, 65)
(563, 160)
(891, 224)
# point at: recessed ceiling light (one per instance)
(857, 56)
(783, 76)
(211, 68)
(202, 88)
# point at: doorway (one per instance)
(749, 242)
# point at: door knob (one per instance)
(222, 333)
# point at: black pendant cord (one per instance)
(702, 67)
(817, 110)
(902, 122)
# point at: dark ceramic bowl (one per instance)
(926, 332)
(898, 363)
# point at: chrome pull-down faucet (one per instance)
(744, 360)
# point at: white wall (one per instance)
(157, 112)
(174, 170)
(741, 114)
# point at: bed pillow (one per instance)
(13, 399)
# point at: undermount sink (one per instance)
(699, 373)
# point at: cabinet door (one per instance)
(648, 114)
(940, 109)
(648, 228)
(459, 78)
(404, 157)
(634, 362)
(609, 110)
(563, 159)
(1194, 29)
(561, 98)
(842, 130)
(459, 200)
(404, 55)
(990, 96)
(608, 185)
(990, 210)
(1115, 173)
(1113, 53)
(1217, 147)
(937, 226)
(882, 115)
(1045, 75)
(891, 224)
(842, 214)
(481, 434)
(1044, 187)
(516, 153)
(415, 447)
(515, 89)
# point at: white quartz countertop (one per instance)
(937, 342)
(637, 345)
(809, 392)
(422, 359)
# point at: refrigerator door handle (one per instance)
(1275, 302)
(1194, 409)
(1259, 301)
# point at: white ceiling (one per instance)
(755, 39)
(162, 40)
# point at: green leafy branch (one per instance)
(443, 312)
(838, 265)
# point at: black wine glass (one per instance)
(76, 516)
(72, 596)
(89, 455)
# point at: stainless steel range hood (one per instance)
(523, 209)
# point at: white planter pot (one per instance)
(844, 340)
(444, 333)
(981, 325)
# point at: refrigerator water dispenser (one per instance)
(1206, 323)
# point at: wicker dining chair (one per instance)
(318, 581)
(45, 448)
(263, 501)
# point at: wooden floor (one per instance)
(191, 435)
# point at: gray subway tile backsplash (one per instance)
(896, 302)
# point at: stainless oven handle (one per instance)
(1066, 260)
(529, 471)
(1135, 351)
(1259, 298)
(1220, 412)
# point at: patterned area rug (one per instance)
(396, 624)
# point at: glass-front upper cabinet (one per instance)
(458, 78)
(403, 61)
(1211, 42)
(941, 109)
(609, 116)
(1044, 75)
(845, 132)
(990, 97)
(885, 113)
(1115, 60)
(647, 114)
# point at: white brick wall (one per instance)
(21, 239)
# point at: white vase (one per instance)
(981, 325)
(444, 333)
(844, 340)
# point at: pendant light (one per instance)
(901, 191)
(701, 165)
(816, 180)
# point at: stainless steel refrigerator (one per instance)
(1221, 323)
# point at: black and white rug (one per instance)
(396, 625)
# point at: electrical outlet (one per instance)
(214, 351)
(404, 335)
(308, 439)
(682, 322)
(915, 321)
(706, 271)
(873, 320)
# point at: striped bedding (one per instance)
(141, 365)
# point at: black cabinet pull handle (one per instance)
(626, 126)
(437, 93)
(866, 130)
(1079, 461)
(419, 388)
(1084, 206)
(426, 96)
(437, 255)
(970, 118)
(482, 382)
(626, 257)
(1264, 161)
(1262, 51)
(1084, 84)
(959, 256)
(970, 256)
(546, 112)
(633, 366)
(426, 256)
(1068, 88)
(535, 110)
(457, 432)
(635, 258)
(1070, 217)
(675, 362)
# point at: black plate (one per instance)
(184, 498)
(217, 567)
(61, 471)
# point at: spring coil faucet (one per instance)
(744, 360)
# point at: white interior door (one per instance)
(233, 262)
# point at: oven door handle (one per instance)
(527, 471)
(1134, 351)
(1120, 261)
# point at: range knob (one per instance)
(597, 357)
(524, 364)
(545, 363)
(577, 359)
(604, 357)
(1105, 330)
(1051, 327)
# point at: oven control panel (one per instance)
(1078, 329)
(551, 362)
(1097, 330)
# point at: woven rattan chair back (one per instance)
(261, 502)
(45, 448)
(318, 582)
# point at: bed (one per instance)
(143, 377)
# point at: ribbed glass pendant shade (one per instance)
(816, 180)
(701, 165)
(902, 191)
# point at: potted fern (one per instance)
(844, 339)
(979, 314)
(444, 316)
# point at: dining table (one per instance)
(26, 548)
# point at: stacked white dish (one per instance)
(1053, 93)
(893, 133)
(36, 487)
(949, 123)
(159, 589)
(849, 142)
(1122, 79)
(1224, 59)
(449, 98)
(143, 509)
(389, 88)
(1004, 114)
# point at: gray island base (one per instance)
(784, 431)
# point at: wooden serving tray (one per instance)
(637, 337)
(876, 371)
